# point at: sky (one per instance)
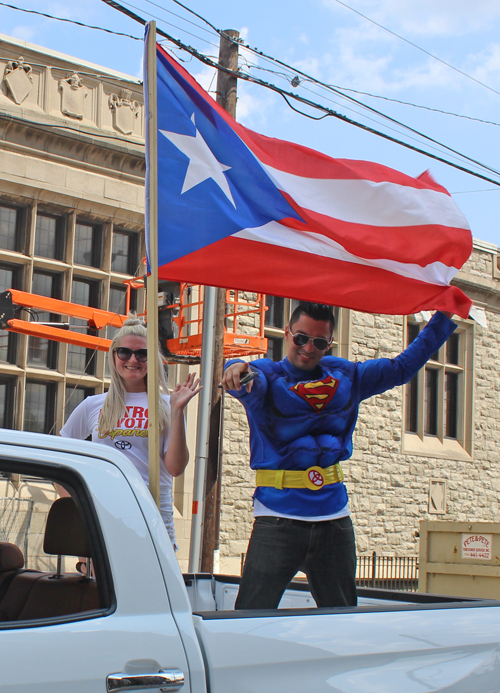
(435, 57)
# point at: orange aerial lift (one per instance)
(180, 307)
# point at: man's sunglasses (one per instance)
(124, 354)
(320, 343)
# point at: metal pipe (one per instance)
(202, 435)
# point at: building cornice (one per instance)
(79, 148)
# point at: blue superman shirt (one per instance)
(300, 419)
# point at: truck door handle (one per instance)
(164, 680)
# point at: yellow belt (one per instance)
(313, 478)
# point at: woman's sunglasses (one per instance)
(124, 354)
(320, 343)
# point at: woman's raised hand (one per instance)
(184, 392)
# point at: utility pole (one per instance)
(226, 97)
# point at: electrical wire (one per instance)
(258, 52)
(70, 21)
(327, 86)
(185, 31)
(393, 129)
(294, 96)
(468, 192)
(418, 47)
(430, 139)
(195, 14)
(286, 93)
(373, 110)
(414, 105)
(292, 75)
(415, 132)
(293, 71)
(164, 9)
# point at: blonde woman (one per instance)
(119, 418)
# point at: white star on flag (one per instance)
(202, 162)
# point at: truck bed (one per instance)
(392, 641)
(217, 593)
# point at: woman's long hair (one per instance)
(114, 405)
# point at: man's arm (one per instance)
(234, 371)
(379, 375)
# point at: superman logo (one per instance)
(317, 393)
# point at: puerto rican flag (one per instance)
(240, 210)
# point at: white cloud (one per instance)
(363, 56)
(253, 107)
(24, 33)
(485, 66)
(74, 10)
(424, 17)
(207, 78)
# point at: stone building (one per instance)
(72, 227)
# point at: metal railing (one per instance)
(388, 572)
(383, 572)
(15, 521)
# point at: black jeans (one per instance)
(279, 548)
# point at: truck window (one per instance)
(51, 564)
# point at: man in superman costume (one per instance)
(302, 412)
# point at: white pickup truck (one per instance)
(139, 624)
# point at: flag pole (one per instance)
(202, 433)
(152, 281)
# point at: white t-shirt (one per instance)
(130, 436)
(261, 510)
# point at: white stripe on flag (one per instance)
(373, 204)
(274, 233)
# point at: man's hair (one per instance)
(316, 311)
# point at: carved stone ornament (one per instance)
(18, 79)
(73, 95)
(125, 111)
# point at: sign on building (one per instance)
(477, 546)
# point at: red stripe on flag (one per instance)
(420, 245)
(252, 266)
(309, 163)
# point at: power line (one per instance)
(295, 72)
(203, 58)
(170, 24)
(420, 134)
(452, 67)
(150, 2)
(70, 21)
(468, 192)
(414, 105)
(407, 127)
(258, 52)
(283, 93)
(195, 14)
(339, 90)
(457, 157)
